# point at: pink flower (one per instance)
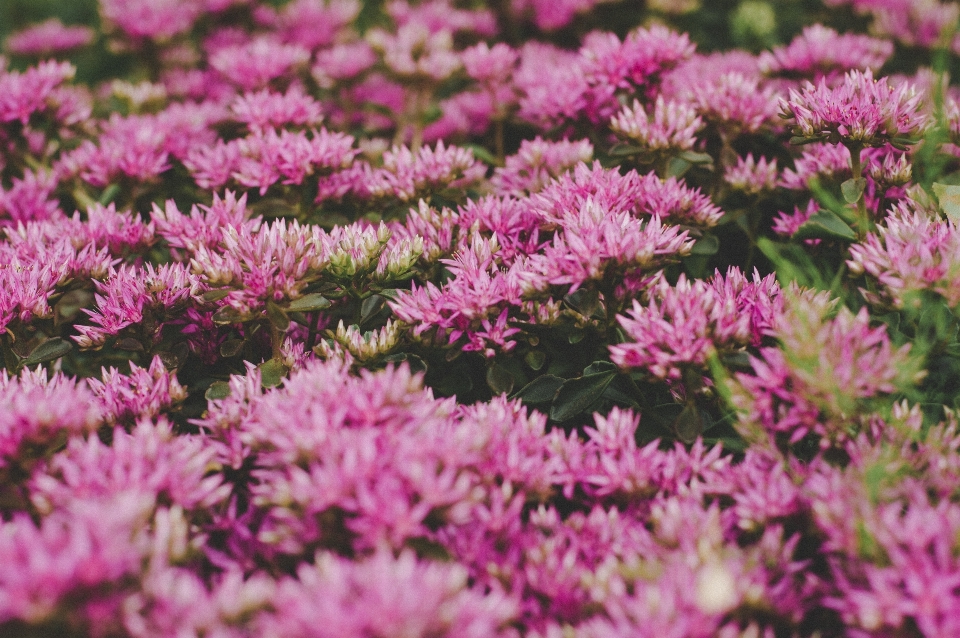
(413, 52)
(536, 163)
(310, 23)
(824, 376)
(36, 410)
(142, 394)
(910, 253)
(820, 52)
(672, 126)
(264, 110)
(596, 244)
(151, 19)
(684, 325)
(735, 103)
(752, 176)
(24, 93)
(255, 64)
(859, 111)
(49, 37)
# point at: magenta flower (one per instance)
(32, 91)
(404, 174)
(255, 64)
(648, 195)
(685, 325)
(536, 163)
(130, 295)
(37, 410)
(264, 110)
(597, 244)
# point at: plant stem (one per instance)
(857, 167)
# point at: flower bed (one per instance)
(525, 318)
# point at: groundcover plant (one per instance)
(528, 318)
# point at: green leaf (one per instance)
(535, 359)
(696, 158)
(852, 190)
(540, 391)
(949, 197)
(217, 390)
(599, 366)
(309, 303)
(624, 150)
(277, 317)
(272, 373)
(689, 424)
(108, 194)
(499, 379)
(231, 347)
(371, 307)
(800, 141)
(482, 154)
(677, 167)
(707, 245)
(416, 363)
(586, 301)
(131, 344)
(215, 295)
(825, 225)
(48, 351)
(227, 315)
(577, 395)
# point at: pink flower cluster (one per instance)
(436, 318)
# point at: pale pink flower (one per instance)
(910, 252)
(342, 62)
(310, 23)
(735, 103)
(413, 52)
(752, 176)
(444, 15)
(860, 111)
(672, 127)
(827, 371)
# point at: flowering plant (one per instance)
(436, 318)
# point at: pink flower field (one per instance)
(448, 318)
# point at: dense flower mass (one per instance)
(519, 319)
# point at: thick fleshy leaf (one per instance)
(577, 395)
(825, 225)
